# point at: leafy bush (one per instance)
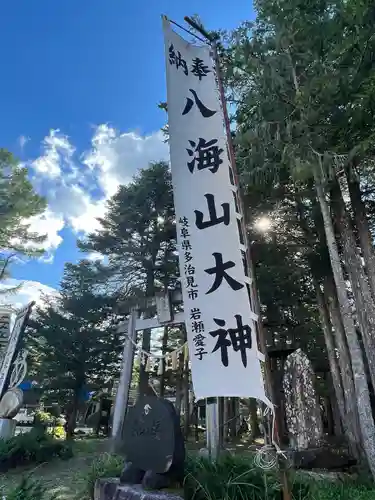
(32, 447)
(106, 465)
(43, 418)
(28, 489)
(57, 432)
(231, 477)
(344, 491)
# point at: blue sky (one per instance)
(78, 100)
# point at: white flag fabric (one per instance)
(12, 345)
(219, 321)
(4, 326)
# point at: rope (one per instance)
(153, 355)
(266, 457)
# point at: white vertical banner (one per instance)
(11, 348)
(4, 326)
(5, 317)
(219, 321)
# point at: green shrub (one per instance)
(228, 478)
(28, 489)
(57, 432)
(232, 478)
(32, 447)
(43, 418)
(106, 465)
(344, 491)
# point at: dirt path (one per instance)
(64, 478)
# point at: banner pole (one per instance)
(122, 394)
(254, 297)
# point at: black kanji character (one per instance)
(199, 69)
(240, 339)
(197, 327)
(176, 60)
(190, 282)
(185, 245)
(199, 340)
(205, 112)
(200, 352)
(189, 269)
(184, 232)
(219, 270)
(213, 219)
(188, 257)
(184, 222)
(206, 154)
(192, 293)
(195, 313)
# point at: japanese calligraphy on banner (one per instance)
(4, 326)
(13, 343)
(219, 321)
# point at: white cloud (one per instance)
(77, 185)
(30, 290)
(95, 256)
(48, 224)
(117, 157)
(22, 141)
(57, 150)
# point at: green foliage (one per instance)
(57, 432)
(18, 203)
(138, 233)
(29, 489)
(229, 478)
(105, 466)
(329, 491)
(32, 448)
(74, 341)
(43, 418)
(232, 478)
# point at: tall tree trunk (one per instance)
(344, 362)
(164, 352)
(146, 336)
(72, 416)
(364, 303)
(337, 421)
(364, 235)
(366, 421)
(179, 383)
(254, 423)
(186, 385)
(331, 351)
(340, 366)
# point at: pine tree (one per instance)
(75, 342)
(297, 77)
(18, 202)
(138, 236)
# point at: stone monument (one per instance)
(303, 415)
(155, 454)
(153, 444)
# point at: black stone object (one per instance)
(153, 445)
(110, 489)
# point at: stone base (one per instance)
(7, 428)
(111, 489)
(320, 458)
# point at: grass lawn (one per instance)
(63, 477)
